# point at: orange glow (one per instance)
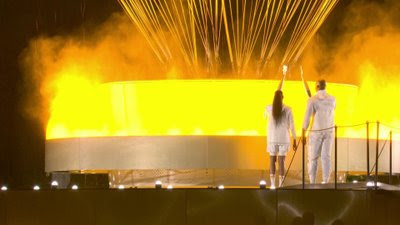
(377, 99)
(83, 108)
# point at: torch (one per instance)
(308, 92)
(305, 82)
(303, 136)
(284, 71)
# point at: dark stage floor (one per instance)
(199, 206)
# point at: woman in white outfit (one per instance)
(280, 123)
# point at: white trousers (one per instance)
(320, 144)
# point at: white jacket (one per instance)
(322, 107)
(279, 133)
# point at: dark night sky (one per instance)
(22, 140)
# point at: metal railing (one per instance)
(378, 151)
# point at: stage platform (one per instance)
(249, 206)
(198, 160)
(359, 186)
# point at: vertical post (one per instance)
(367, 151)
(303, 136)
(390, 159)
(377, 155)
(335, 157)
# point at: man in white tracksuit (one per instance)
(322, 107)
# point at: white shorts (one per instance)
(278, 149)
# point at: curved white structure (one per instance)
(194, 152)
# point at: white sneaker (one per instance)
(281, 180)
(272, 179)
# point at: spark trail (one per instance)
(248, 33)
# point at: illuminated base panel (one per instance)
(193, 160)
(189, 132)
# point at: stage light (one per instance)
(54, 184)
(74, 187)
(370, 184)
(170, 187)
(263, 184)
(36, 188)
(272, 187)
(4, 188)
(121, 187)
(355, 181)
(158, 184)
(221, 187)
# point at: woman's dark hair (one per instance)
(277, 106)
